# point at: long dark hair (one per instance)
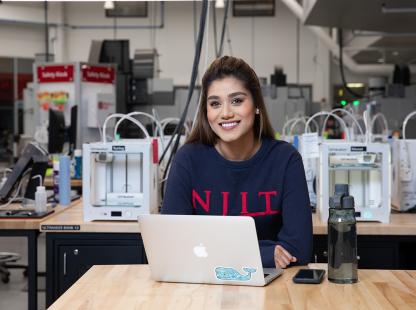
(224, 67)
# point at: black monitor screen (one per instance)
(56, 131)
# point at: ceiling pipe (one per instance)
(382, 69)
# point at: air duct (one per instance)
(378, 70)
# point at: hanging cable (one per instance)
(194, 19)
(224, 28)
(206, 58)
(46, 31)
(341, 65)
(197, 56)
(207, 40)
(229, 41)
(214, 21)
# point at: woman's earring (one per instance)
(257, 111)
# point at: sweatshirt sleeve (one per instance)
(295, 234)
(177, 198)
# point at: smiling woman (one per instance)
(231, 165)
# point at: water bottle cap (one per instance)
(77, 153)
(348, 202)
(40, 188)
(341, 198)
(342, 189)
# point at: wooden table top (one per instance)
(74, 182)
(74, 217)
(30, 223)
(400, 224)
(130, 287)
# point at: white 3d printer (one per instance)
(120, 177)
(404, 171)
(366, 168)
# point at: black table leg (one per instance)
(32, 269)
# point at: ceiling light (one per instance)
(408, 9)
(355, 85)
(109, 5)
(395, 53)
(219, 4)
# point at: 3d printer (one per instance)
(120, 179)
(404, 171)
(366, 168)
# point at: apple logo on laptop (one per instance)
(200, 251)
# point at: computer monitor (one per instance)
(56, 131)
(118, 52)
(72, 130)
(34, 157)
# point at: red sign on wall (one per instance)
(97, 74)
(55, 74)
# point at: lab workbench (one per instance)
(130, 287)
(73, 246)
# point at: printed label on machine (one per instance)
(125, 199)
(310, 145)
(352, 159)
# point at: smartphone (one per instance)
(309, 276)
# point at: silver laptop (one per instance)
(204, 249)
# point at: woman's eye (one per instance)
(237, 101)
(214, 104)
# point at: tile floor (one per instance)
(13, 295)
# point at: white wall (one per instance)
(19, 41)
(26, 39)
(263, 42)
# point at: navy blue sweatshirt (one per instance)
(270, 187)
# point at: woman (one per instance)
(231, 165)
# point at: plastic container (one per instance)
(342, 237)
(40, 199)
(78, 164)
(64, 180)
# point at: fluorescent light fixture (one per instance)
(109, 5)
(219, 4)
(404, 9)
(355, 85)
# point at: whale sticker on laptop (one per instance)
(231, 274)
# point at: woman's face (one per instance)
(231, 110)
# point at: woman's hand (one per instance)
(282, 257)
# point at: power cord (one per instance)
(178, 129)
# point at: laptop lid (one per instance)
(202, 249)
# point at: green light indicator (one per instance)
(343, 102)
(356, 102)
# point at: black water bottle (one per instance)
(342, 237)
